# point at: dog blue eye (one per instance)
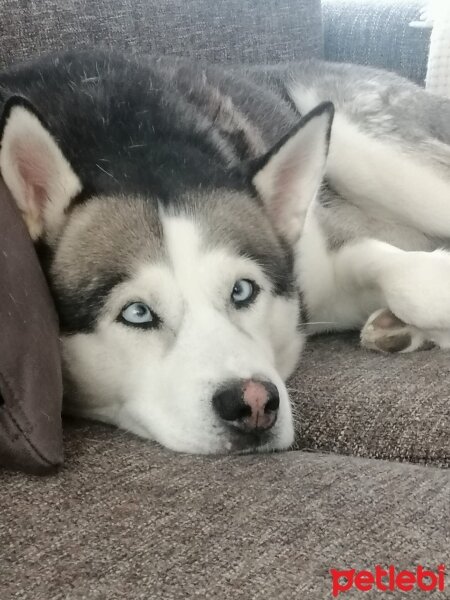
(138, 314)
(244, 292)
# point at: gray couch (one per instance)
(367, 482)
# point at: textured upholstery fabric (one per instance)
(30, 373)
(126, 520)
(352, 401)
(438, 71)
(235, 30)
(377, 34)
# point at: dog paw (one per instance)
(384, 332)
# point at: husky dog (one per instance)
(188, 221)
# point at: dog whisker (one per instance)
(320, 323)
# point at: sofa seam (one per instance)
(10, 390)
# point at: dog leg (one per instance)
(414, 286)
(381, 177)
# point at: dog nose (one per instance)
(248, 405)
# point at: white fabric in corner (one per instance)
(438, 73)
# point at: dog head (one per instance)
(179, 316)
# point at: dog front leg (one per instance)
(414, 287)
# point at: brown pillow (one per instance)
(30, 366)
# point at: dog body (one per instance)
(182, 211)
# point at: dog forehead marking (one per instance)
(200, 271)
(204, 272)
(183, 242)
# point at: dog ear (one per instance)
(39, 177)
(288, 177)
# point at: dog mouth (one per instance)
(242, 442)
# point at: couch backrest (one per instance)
(378, 34)
(263, 31)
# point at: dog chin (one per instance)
(233, 444)
(220, 441)
(269, 442)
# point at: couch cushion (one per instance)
(377, 33)
(30, 373)
(233, 31)
(353, 401)
(126, 520)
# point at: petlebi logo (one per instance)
(388, 579)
